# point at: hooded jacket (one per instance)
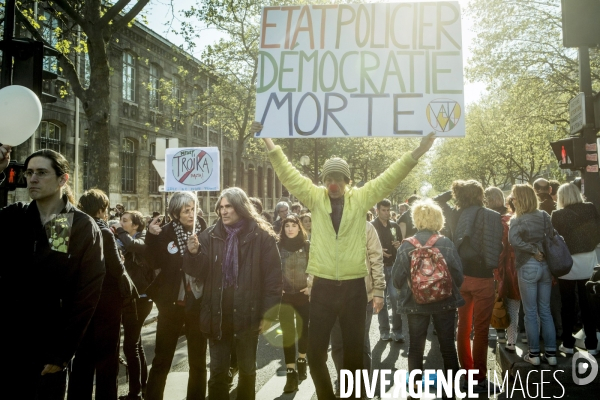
(47, 297)
(339, 256)
(260, 286)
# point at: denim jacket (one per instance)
(401, 275)
(526, 234)
(294, 269)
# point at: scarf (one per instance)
(293, 245)
(230, 264)
(192, 283)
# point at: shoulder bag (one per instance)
(556, 253)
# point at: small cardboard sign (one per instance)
(591, 157)
(592, 168)
(590, 147)
(192, 169)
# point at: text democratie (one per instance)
(322, 65)
(405, 383)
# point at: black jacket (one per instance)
(164, 290)
(579, 225)
(47, 297)
(386, 237)
(483, 229)
(259, 278)
(546, 203)
(112, 260)
(135, 262)
(401, 274)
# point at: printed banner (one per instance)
(192, 169)
(389, 69)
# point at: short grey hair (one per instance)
(493, 198)
(178, 202)
(568, 194)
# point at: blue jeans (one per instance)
(392, 293)
(535, 285)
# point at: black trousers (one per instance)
(98, 353)
(170, 322)
(329, 301)
(133, 319)
(294, 305)
(31, 384)
(569, 312)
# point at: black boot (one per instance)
(301, 366)
(291, 384)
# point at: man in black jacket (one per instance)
(49, 291)
(239, 265)
(390, 238)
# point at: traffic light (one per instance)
(28, 66)
(580, 24)
(14, 176)
(570, 153)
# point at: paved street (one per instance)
(270, 377)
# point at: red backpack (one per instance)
(430, 279)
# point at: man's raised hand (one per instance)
(154, 227)
(424, 146)
(257, 127)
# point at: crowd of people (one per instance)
(313, 265)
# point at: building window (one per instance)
(227, 173)
(154, 85)
(176, 93)
(251, 180)
(261, 183)
(269, 183)
(49, 136)
(128, 166)
(50, 32)
(128, 76)
(214, 138)
(198, 132)
(154, 180)
(85, 70)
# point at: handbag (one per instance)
(500, 316)
(557, 253)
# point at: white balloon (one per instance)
(20, 114)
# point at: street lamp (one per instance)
(305, 161)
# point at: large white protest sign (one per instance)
(390, 69)
(192, 169)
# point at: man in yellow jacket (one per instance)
(337, 254)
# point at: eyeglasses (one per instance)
(41, 173)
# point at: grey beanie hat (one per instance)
(336, 164)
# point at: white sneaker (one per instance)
(550, 359)
(531, 360)
(510, 347)
(566, 350)
(593, 352)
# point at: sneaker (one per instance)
(566, 350)
(291, 384)
(534, 360)
(550, 359)
(385, 336)
(301, 366)
(510, 347)
(593, 352)
(398, 337)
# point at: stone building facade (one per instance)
(141, 62)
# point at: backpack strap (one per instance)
(432, 240)
(413, 240)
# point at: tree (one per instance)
(95, 22)
(507, 140)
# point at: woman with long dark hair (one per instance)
(293, 248)
(132, 243)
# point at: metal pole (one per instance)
(591, 179)
(9, 28)
(77, 63)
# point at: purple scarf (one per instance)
(230, 265)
